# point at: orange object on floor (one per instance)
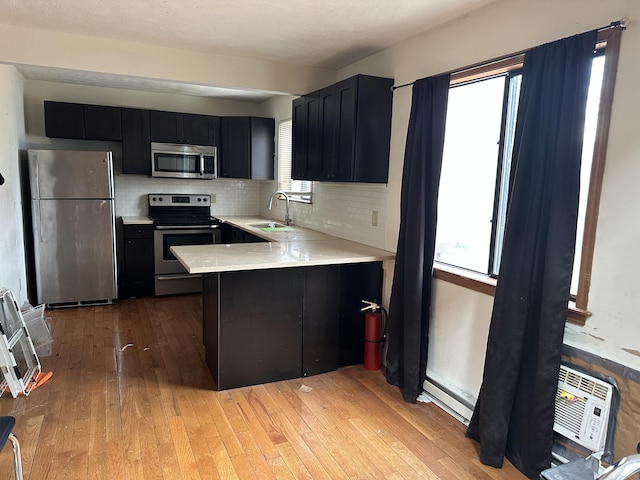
(42, 378)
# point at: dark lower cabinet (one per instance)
(231, 234)
(321, 327)
(138, 260)
(259, 328)
(267, 325)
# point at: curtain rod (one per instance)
(618, 23)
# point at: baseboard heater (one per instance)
(448, 400)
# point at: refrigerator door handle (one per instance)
(40, 220)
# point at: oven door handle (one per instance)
(178, 277)
(186, 227)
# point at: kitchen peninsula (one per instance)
(285, 308)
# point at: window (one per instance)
(479, 114)
(473, 193)
(301, 190)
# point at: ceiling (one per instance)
(321, 33)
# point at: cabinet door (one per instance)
(102, 123)
(373, 129)
(235, 147)
(136, 147)
(300, 131)
(326, 127)
(165, 127)
(260, 335)
(345, 130)
(262, 148)
(138, 260)
(305, 160)
(63, 120)
(201, 129)
(320, 320)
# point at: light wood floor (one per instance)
(131, 398)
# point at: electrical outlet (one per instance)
(374, 218)
(213, 198)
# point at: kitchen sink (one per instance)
(271, 227)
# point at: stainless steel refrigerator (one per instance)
(72, 209)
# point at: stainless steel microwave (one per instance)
(184, 161)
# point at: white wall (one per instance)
(12, 266)
(460, 317)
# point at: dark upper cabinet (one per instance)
(247, 147)
(85, 122)
(63, 120)
(136, 146)
(187, 128)
(305, 137)
(201, 129)
(342, 132)
(102, 123)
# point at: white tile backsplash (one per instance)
(232, 197)
(341, 209)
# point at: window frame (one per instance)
(294, 196)
(608, 40)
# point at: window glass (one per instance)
(474, 182)
(468, 178)
(591, 123)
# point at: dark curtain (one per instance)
(411, 290)
(515, 408)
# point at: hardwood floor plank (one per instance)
(181, 443)
(131, 397)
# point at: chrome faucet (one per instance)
(622, 469)
(287, 218)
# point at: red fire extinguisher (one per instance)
(373, 335)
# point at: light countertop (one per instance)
(137, 221)
(296, 233)
(297, 248)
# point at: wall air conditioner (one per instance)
(582, 408)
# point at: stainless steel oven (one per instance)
(179, 220)
(171, 277)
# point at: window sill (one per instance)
(487, 285)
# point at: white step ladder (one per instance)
(19, 362)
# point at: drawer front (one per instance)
(138, 231)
